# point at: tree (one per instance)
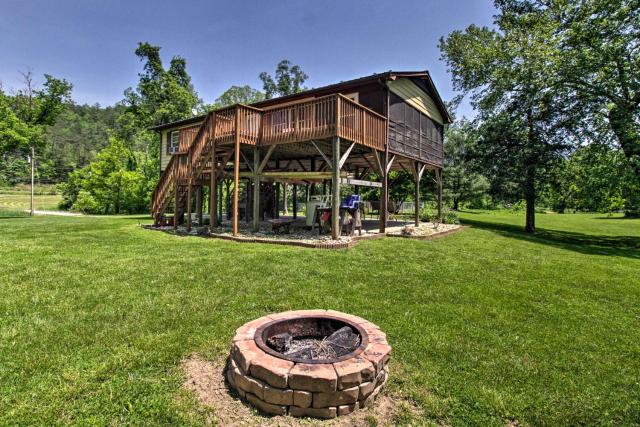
(14, 133)
(462, 183)
(24, 118)
(599, 56)
(38, 108)
(594, 178)
(238, 95)
(114, 183)
(161, 96)
(506, 73)
(288, 80)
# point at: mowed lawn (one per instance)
(14, 203)
(488, 325)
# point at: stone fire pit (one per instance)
(309, 363)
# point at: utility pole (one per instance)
(33, 164)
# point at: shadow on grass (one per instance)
(617, 217)
(624, 246)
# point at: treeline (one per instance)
(72, 142)
(593, 177)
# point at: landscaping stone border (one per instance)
(322, 390)
(313, 245)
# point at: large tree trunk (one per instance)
(530, 182)
(627, 131)
(530, 200)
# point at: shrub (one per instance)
(429, 213)
(85, 203)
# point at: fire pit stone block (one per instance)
(347, 409)
(244, 352)
(336, 398)
(326, 413)
(313, 377)
(265, 407)
(302, 399)
(278, 396)
(378, 354)
(353, 372)
(270, 369)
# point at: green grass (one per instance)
(15, 203)
(488, 325)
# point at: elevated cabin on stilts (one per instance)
(342, 134)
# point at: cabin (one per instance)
(351, 133)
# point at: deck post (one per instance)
(213, 196)
(220, 197)
(256, 189)
(439, 183)
(312, 187)
(189, 204)
(335, 190)
(384, 193)
(175, 205)
(236, 173)
(199, 203)
(295, 201)
(247, 200)
(416, 197)
(277, 208)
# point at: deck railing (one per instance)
(174, 173)
(300, 122)
(303, 121)
(359, 124)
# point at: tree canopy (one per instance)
(289, 79)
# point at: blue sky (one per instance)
(91, 42)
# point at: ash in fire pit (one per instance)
(310, 339)
(339, 343)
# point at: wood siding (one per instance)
(187, 133)
(416, 97)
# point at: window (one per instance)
(174, 142)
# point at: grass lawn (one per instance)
(16, 203)
(488, 325)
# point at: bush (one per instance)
(85, 203)
(429, 213)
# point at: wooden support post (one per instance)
(335, 190)
(213, 194)
(247, 200)
(277, 206)
(236, 173)
(384, 194)
(439, 183)
(295, 201)
(416, 197)
(312, 188)
(256, 189)
(175, 205)
(199, 203)
(189, 205)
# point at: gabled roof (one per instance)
(336, 87)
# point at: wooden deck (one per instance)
(223, 129)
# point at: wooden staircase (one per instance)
(183, 168)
